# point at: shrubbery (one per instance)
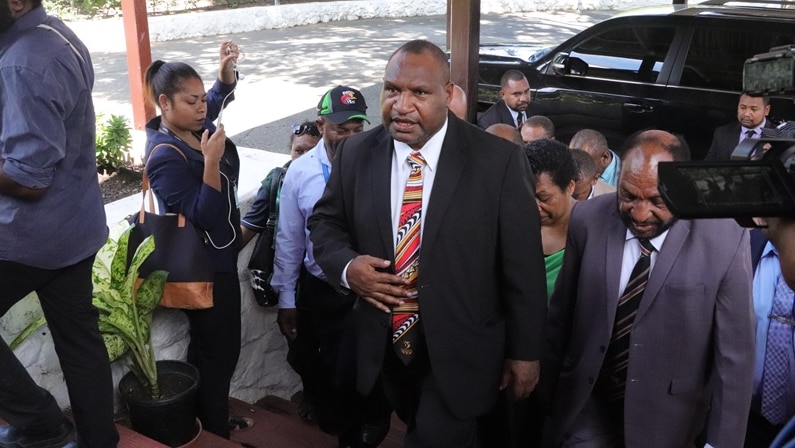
(114, 141)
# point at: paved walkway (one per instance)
(287, 70)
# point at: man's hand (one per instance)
(380, 289)
(522, 376)
(286, 318)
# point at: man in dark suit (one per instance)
(752, 111)
(477, 287)
(512, 108)
(651, 322)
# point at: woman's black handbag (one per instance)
(261, 263)
(180, 250)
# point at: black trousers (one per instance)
(414, 391)
(65, 297)
(215, 349)
(323, 354)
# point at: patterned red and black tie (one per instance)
(407, 260)
(613, 376)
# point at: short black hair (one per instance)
(555, 159)
(765, 98)
(543, 123)
(591, 139)
(419, 46)
(511, 75)
(584, 162)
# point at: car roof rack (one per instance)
(778, 4)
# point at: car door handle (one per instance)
(638, 108)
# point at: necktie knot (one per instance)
(519, 119)
(646, 247)
(750, 133)
(416, 160)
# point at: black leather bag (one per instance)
(180, 250)
(261, 263)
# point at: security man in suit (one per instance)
(511, 109)
(651, 322)
(752, 112)
(431, 222)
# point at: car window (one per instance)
(716, 55)
(623, 54)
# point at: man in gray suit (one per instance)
(639, 355)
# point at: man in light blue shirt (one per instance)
(761, 430)
(595, 144)
(312, 315)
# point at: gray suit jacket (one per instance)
(482, 284)
(692, 343)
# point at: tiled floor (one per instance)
(276, 425)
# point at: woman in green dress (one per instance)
(555, 175)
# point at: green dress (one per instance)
(553, 263)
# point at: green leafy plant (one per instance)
(125, 307)
(113, 142)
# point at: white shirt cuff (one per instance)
(344, 278)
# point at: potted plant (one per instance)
(160, 395)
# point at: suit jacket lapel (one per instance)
(452, 160)
(381, 176)
(664, 264)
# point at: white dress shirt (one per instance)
(632, 255)
(400, 174)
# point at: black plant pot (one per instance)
(171, 418)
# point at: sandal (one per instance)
(238, 423)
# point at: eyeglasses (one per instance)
(306, 128)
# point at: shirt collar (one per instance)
(322, 154)
(757, 129)
(657, 241)
(769, 250)
(29, 20)
(430, 151)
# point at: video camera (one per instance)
(759, 180)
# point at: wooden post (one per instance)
(139, 56)
(464, 36)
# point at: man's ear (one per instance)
(319, 125)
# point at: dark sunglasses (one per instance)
(301, 129)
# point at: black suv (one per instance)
(674, 67)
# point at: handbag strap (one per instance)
(146, 191)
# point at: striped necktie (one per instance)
(777, 353)
(613, 376)
(407, 260)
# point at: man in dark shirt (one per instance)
(53, 223)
